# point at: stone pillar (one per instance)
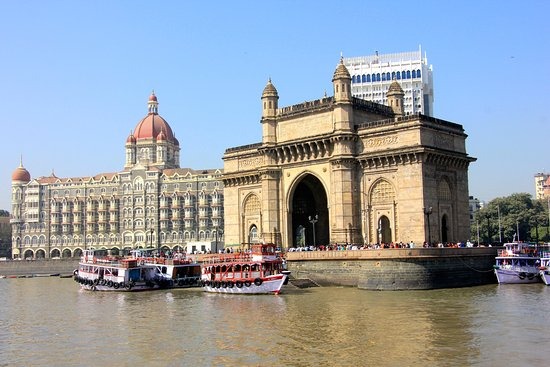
(271, 220)
(343, 221)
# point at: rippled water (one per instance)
(49, 322)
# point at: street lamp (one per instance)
(151, 237)
(313, 221)
(428, 211)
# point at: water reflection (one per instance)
(51, 318)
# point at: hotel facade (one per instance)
(152, 203)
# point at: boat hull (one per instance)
(268, 285)
(545, 276)
(506, 276)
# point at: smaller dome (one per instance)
(21, 174)
(270, 90)
(153, 97)
(131, 139)
(395, 88)
(341, 71)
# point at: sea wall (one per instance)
(396, 269)
(38, 267)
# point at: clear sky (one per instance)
(75, 76)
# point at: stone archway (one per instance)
(384, 229)
(309, 212)
(28, 254)
(444, 229)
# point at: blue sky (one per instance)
(75, 76)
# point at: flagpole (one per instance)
(499, 230)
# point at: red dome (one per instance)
(151, 126)
(152, 97)
(131, 139)
(21, 174)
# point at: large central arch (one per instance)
(308, 203)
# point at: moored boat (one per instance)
(517, 263)
(99, 272)
(260, 271)
(544, 270)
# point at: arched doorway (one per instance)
(444, 229)
(384, 230)
(253, 234)
(29, 254)
(309, 222)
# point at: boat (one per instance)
(137, 272)
(258, 271)
(544, 269)
(517, 263)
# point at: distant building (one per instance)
(475, 206)
(152, 203)
(542, 186)
(371, 77)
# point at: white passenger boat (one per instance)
(138, 272)
(544, 270)
(517, 263)
(260, 271)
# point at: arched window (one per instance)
(408, 74)
(368, 78)
(388, 76)
(253, 234)
(418, 73)
(414, 74)
(373, 77)
(383, 76)
(392, 75)
(353, 79)
(364, 78)
(398, 75)
(378, 77)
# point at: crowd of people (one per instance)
(377, 246)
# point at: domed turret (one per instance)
(341, 81)
(270, 104)
(21, 174)
(395, 96)
(131, 139)
(270, 100)
(153, 139)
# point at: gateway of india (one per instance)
(344, 170)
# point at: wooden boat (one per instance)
(517, 263)
(259, 271)
(138, 272)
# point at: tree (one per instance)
(520, 218)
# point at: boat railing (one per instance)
(227, 258)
